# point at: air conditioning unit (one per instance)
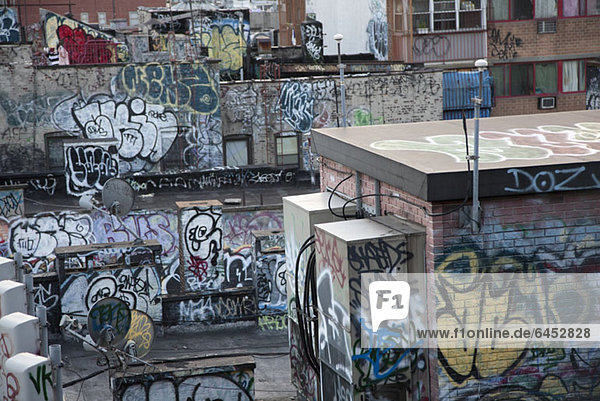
(547, 102)
(546, 26)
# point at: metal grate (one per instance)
(546, 26)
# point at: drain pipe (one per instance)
(476, 215)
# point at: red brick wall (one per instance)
(573, 36)
(508, 106)
(541, 232)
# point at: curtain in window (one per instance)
(545, 8)
(545, 78)
(499, 10)
(569, 75)
(570, 8)
(593, 7)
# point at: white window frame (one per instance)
(135, 19)
(101, 18)
(85, 17)
(439, 7)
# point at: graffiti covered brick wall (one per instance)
(262, 110)
(533, 232)
(523, 235)
(226, 34)
(162, 116)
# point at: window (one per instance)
(546, 78)
(521, 79)
(579, 8)
(236, 152)
(573, 76)
(55, 155)
(85, 18)
(287, 149)
(134, 18)
(546, 8)
(101, 18)
(511, 10)
(398, 16)
(501, 75)
(446, 15)
(525, 79)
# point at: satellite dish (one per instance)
(109, 321)
(118, 196)
(141, 332)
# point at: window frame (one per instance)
(561, 13)
(279, 158)
(136, 18)
(560, 76)
(85, 20)
(509, 66)
(457, 12)
(235, 138)
(105, 20)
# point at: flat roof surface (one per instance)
(518, 154)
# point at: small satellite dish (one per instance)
(109, 316)
(141, 332)
(118, 196)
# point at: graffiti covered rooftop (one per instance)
(518, 154)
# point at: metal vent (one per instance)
(546, 26)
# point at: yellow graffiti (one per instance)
(141, 331)
(226, 44)
(190, 87)
(473, 303)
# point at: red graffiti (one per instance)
(328, 248)
(83, 48)
(198, 267)
(5, 348)
(12, 387)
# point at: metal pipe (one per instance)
(19, 267)
(476, 224)
(41, 313)
(358, 192)
(241, 27)
(377, 198)
(56, 360)
(28, 278)
(342, 88)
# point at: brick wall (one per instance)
(542, 232)
(573, 36)
(507, 106)
(518, 41)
